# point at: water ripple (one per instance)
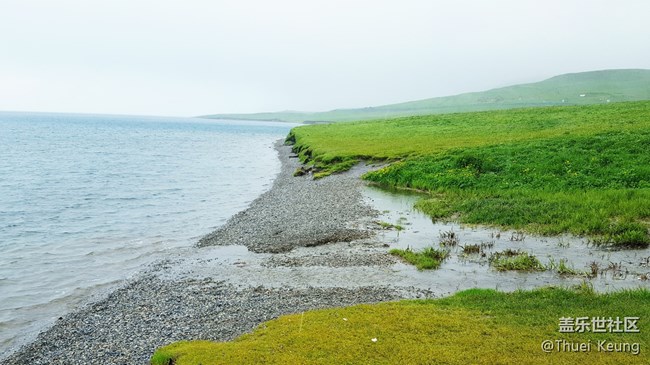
(88, 200)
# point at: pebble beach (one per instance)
(188, 297)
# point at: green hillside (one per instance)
(595, 87)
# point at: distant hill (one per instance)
(595, 87)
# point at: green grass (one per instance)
(598, 87)
(331, 144)
(606, 160)
(611, 217)
(387, 225)
(510, 260)
(472, 327)
(583, 169)
(562, 267)
(427, 259)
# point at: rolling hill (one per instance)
(594, 87)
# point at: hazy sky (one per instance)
(192, 57)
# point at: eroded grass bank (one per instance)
(583, 170)
(471, 327)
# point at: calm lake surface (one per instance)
(88, 200)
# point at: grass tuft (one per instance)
(472, 249)
(387, 225)
(449, 239)
(511, 260)
(162, 357)
(562, 267)
(427, 259)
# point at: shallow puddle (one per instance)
(345, 265)
(615, 269)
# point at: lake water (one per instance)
(88, 200)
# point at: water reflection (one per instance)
(305, 266)
(614, 269)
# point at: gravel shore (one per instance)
(128, 326)
(158, 308)
(304, 244)
(299, 211)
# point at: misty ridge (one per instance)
(585, 88)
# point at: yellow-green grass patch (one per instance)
(471, 327)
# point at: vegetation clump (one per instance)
(449, 239)
(387, 225)
(472, 249)
(562, 268)
(515, 260)
(427, 259)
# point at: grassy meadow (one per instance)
(583, 170)
(472, 327)
(572, 169)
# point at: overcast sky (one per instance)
(193, 57)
